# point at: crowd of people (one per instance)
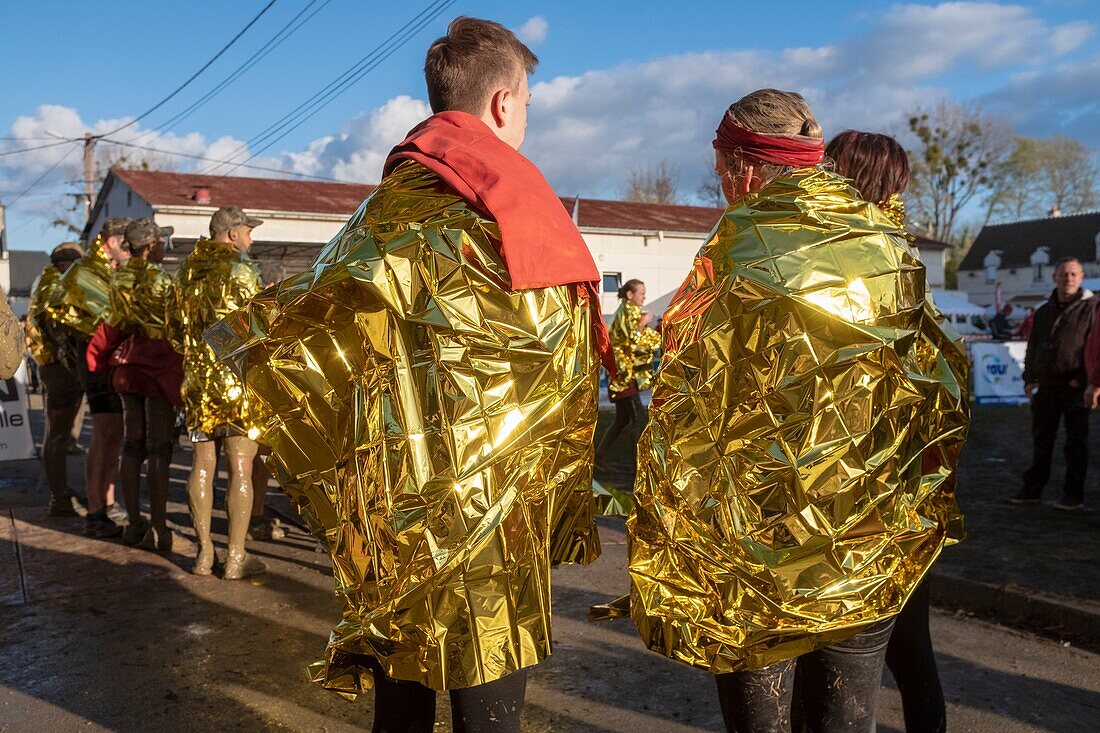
(427, 392)
(107, 325)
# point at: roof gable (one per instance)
(1066, 236)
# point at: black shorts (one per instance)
(97, 387)
(63, 390)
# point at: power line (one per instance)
(36, 147)
(293, 119)
(194, 76)
(38, 180)
(215, 160)
(270, 45)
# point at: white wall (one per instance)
(661, 265)
(935, 265)
(121, 201)
(1014, 281)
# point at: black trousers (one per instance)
(913, 665)
(837, 691)
(629, 418)
(1049, 407)
(409, 707)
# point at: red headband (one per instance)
(799, 151)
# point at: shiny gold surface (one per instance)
(80, 301)
(796, 479)
(212, 282)
(12, 339)
(435, 427)
(139, 298)
(42, 350)
(634, 349)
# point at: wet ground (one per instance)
(99, 637)
(1036, 547)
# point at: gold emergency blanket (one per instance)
(212, 282)
(80, 301)
(139, 298)
(796, 479)
(436, 428)
(634, 349)
(12, 340)
(42, 350)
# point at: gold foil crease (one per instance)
(797, 476)
(42, 350)
(12, 339)
(436, 429)
(81, 299)
(634, 349)
(212, 282)
(139, 298)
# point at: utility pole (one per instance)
(89, 175)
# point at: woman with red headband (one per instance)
(796, 478)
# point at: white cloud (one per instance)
(534, 31)
(359, 151)
(587, 131)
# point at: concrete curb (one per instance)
(1067, 618)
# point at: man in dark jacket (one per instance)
(1055, 380)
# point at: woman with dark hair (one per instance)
(147, 374)
(796, 477)
(879, 167)
(635, 343)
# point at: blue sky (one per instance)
(620, 85)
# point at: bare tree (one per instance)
(1070, 174)
(656, 185)
(1039, 175)
(710, 187)
(958, 148)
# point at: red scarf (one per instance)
(540, 244)
(798, 151)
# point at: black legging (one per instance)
(913, 665)
(629, 417)
(149, 430)
(409, 707)
(837, 690)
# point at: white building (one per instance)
(1019, 257)
(655, 243)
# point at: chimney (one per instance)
(1055, 212)
(202, 195)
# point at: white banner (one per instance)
(998, 371)
(15, 425)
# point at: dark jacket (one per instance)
(1056, 346)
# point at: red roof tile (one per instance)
(160, 188)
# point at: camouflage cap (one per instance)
(115, 226)
(143, 232)
(66, 251)
(228, 217)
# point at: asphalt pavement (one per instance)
(100, 637)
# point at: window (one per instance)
(129, 199)
(1038, 272)
(612, 281)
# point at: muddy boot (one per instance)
(242, 566)
(163, 537)
(67, 505)
(100, 526)
(134, 534)
(204, 561)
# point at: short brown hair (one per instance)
(772, 112)
(877, 164)
(473, 60)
